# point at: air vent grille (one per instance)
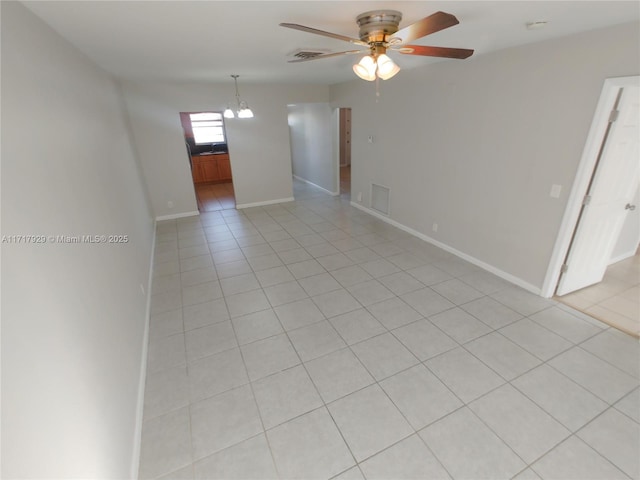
(307, 53)
(380, 198)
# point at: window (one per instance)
(208, 127)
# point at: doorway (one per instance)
(615, 300)
(344, 129)
(208, 156)
(602, 224)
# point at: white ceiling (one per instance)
(209, 40)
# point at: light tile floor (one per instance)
(310, 340)
(616, 299)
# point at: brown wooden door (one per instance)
(345, 136)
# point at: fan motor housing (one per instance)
(377, 25)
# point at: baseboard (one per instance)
(479, 263)
(335, 194)
(137, 439)
(177, 215)
(262, 204)
(621, 257)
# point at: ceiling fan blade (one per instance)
(302, 28)
(435, 51)
(326, 55)
(428, 25)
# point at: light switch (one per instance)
(555, 191)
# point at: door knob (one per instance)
(628, 206)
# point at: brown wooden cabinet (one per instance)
(211, 168)
(196, 169)
(224, 166)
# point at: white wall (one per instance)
(476, 145)
(258, 147)
(311, 129)
(73, 315)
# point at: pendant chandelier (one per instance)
(243, 110)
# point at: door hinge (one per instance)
(586, 200)
(564, 268)
(613, 116)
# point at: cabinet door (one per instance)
(224, 167)
(196, 170)
(210, 169)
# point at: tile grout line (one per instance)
(573, 345)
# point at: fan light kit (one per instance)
(243, 107)
(371, 67)
(379, 32)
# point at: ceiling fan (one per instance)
(379, 32)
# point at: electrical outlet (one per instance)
(170, 204)
(434, 227)
(370, 139)
(360, 196)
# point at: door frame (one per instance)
(338, 133)
(597, 132)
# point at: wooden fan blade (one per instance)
(326, 55)
(302, 28)
(436, 51)
(428, 25)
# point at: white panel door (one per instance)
(614, 183)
